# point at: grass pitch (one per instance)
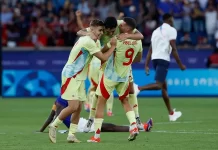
(197, 129)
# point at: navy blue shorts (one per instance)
(161, 68)
(64, 103)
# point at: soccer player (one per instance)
(112, 28)
(116, 76)
(74, 74)
(60, 104)
(163, 42)
(95, 65)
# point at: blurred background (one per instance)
(37, 35)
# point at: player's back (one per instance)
(160, 41)
(119, 64)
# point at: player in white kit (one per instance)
(163, 42)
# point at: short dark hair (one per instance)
(166, 17)
(130, 22)
(110, 22)
(96, 23)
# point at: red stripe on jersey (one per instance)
(104, 92)
(125, 94)
(64, 87)
(94, 83)
(80, 53)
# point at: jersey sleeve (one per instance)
(92, 47)
(172, 34)
(140, 48)
(134, 31)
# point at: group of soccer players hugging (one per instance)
(105, 52)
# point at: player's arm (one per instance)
(176, 55)
(133, 36)
(48, 121)
(58, 109)
(138, 57)
(104, 56)
(105, 49)
(121, 15)
(79, 20)
(148, 57)
(83, 32)
(172, 40)
(136, 36)
(147, 60)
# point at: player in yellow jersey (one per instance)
(116, 76)
(74, 74)
(95, 65)
(111, 30)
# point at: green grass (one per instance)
(197, 129)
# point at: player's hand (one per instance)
(92, 35)
(182, 67)
(121, 14)
(147, 70)
(113, 42)
(78, 13)
(123, 36)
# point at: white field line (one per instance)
(184, 132)
(181, 122)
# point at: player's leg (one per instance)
(49, 119)
(88, 125)
(103, 91)
(166, 98)
(94, 100)
(93, 75)
(98, 119)
(93, 106)
(69, 89)
(131, 117)
(173, 114)
(91, 93)
(161, 67)
(134, 103)
(123, 91)
(109, 127)
(93, 79)
(74, 125)
(110, 103)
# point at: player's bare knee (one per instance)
(80, 107)
(159, 84)
(73, 106)
(164, 85)
(124, 101)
